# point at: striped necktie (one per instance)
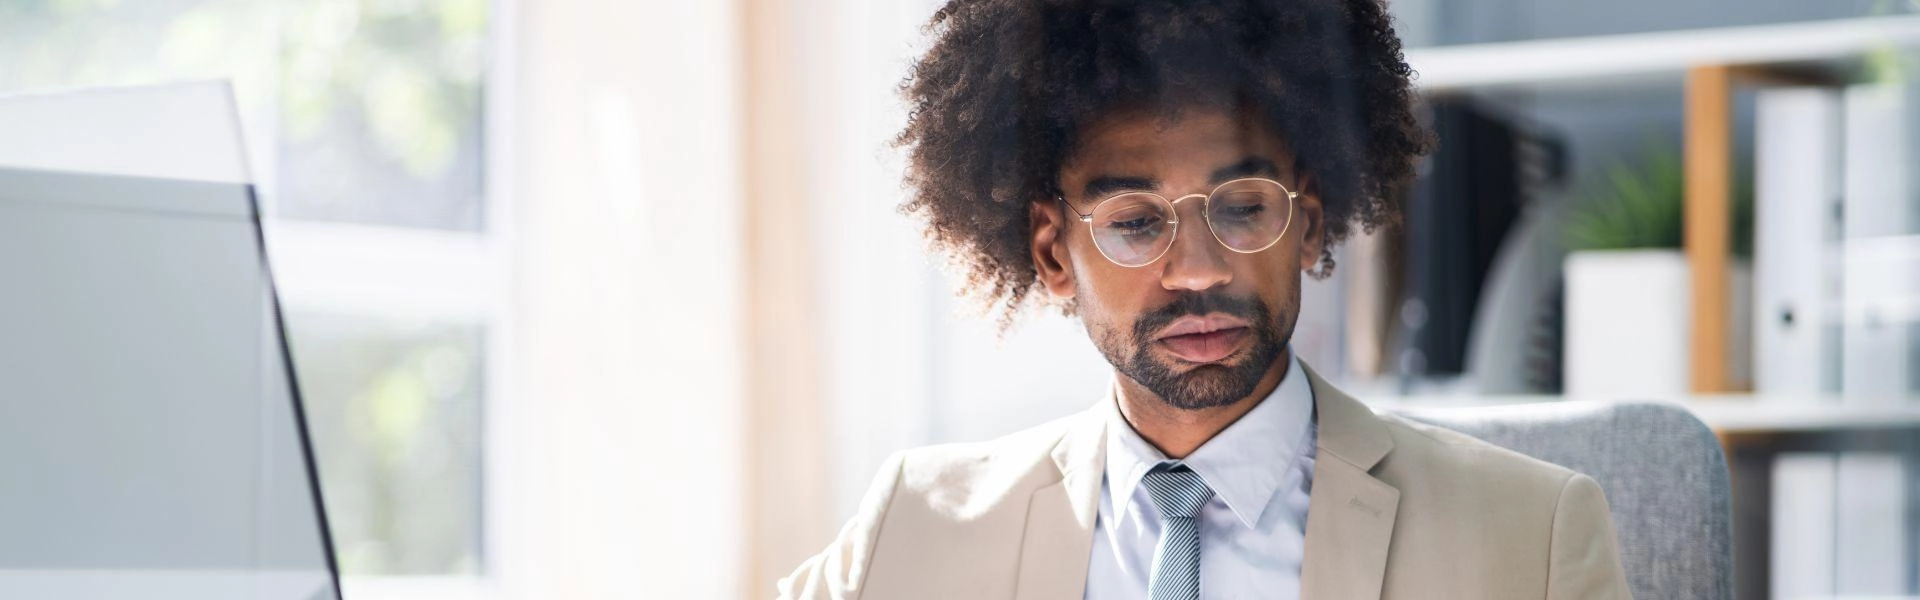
(1179, 493)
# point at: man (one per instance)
(1166, 170)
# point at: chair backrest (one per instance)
(1662, 470)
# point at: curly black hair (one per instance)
(1000, 97)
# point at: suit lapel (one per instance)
(1350, 513)
(1060, 517)
(1349, 520)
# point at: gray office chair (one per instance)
(1662, 469)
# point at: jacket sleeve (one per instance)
(836, 573)
(1585, 561)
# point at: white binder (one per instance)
(1880, 272)
(1796, 226)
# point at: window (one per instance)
(394, 403)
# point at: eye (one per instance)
(1248, 203)
(1245, 211)
(1135, 226)
(1239, 212)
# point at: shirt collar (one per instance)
(1244, 463)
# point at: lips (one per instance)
(1203, 339)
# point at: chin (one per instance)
(1210, 382)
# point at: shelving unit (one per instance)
(1728, 414)
(1659, 57)
(1739, 415)
(1712, 64)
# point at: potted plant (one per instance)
(1627, 309)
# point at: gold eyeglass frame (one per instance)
(1174, 209)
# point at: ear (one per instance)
(1308, 211)
(1051, 261)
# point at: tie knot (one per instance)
(1176, 490)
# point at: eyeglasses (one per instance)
(1133, 229)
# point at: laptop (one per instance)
(152, 443)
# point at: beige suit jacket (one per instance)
(1397, 510)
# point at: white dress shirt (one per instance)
(1252, 532)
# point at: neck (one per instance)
(1177, 432)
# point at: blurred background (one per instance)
(544, 261)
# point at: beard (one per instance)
(1208, 385)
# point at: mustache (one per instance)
(1247, 308)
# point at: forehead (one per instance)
(1140, 142)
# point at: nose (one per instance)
(1194, 262)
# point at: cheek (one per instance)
(1109, 298)
(1272, 277)
(1093, 275)
(1092, 296)
(1104, 325)
(1265, 270)
(1110, 289)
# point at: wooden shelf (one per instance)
(1775, 415)
(1724, 413)
(1659, 56)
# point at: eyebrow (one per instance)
(1252, 166)
(1107, 185)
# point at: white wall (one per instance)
(622, 452)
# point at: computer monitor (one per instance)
(152, 443)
